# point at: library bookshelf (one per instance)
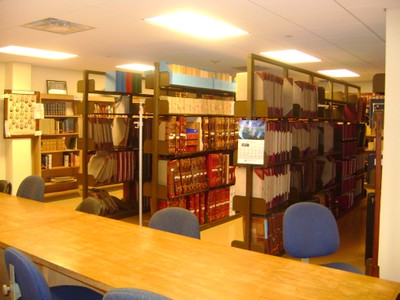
(193, 137)
(109, 140)
(316, 130)
(59, 156)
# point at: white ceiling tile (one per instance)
(339, 32)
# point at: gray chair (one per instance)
(32, 284)
(132, 294)
(310, 230)
(5, 187)
(32, 187)
(91, 205)
(176, 220)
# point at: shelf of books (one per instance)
(60, 159)
(192, 142)
(110, 139)
(300, 139)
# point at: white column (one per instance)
(18, 153)
(389, 243)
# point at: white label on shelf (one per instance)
(78, 98)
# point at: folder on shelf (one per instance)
(287, 97)
(258, 183)
(123, 105)
(120, 132)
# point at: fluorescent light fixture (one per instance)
(24, 51)
(136, 67)
(196, 25)
(339, 73)
(290, 56)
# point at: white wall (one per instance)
(17, 156)
(41, 74)
(389, 244)
(366, 87)
(2, 143)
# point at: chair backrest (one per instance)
(90, 205)
(176, 220)
(32, 187)
(5, 187)
(132, 294)
(309, 230)
(31, 282)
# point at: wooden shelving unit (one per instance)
(167, 83)
(60, 159)
(337, 102)
(99, 107)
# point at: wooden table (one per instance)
(105, 253)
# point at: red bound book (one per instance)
(274, 142)
(202, 207)
(128, 82)
(181, 134)
(168, 176)
(213, 169)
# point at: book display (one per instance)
(110, 141)
(60, 158)
(313, 147)
(194, 134)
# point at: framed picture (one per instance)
(20, 109)
(56, 87)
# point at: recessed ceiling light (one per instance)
(24, 51)
(290, 56)
(339, 73)
(196, 25)
(57, 26)
(136, 67)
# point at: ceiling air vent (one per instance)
(57, 26)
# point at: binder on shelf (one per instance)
(120, 131)
(287, 97)
(173, 74)
(125, 82)
(123, 105)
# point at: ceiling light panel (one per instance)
(339, 73)
(290, 56)
(24, 51)
(57, 26)
(196, 25)
(136, 67)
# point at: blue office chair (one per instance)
(132, 294)
(32, 187)
(176, 220)
(33, 286)
(5, 187)
(310, 230)
(91, 205)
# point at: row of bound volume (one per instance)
(110, 132)
(53, 126)
(194, 134)
(190, 175)
(271, 184)
(108, 167)
(207, 206)
(282, 94)
(268, 233)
